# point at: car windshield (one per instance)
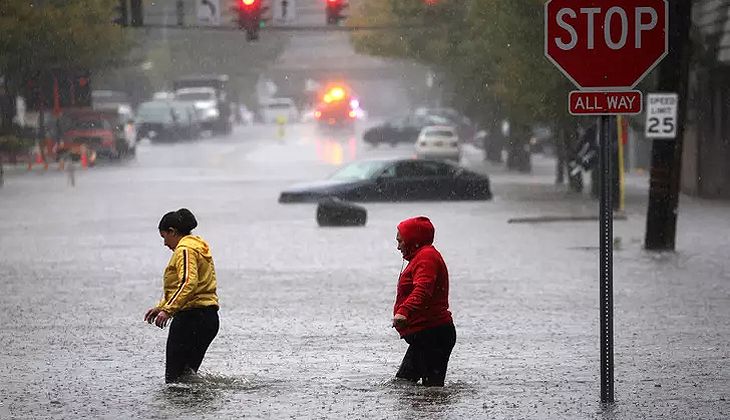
(196, 96)
(358, 171)
(440, 133)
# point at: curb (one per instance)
(558, 219)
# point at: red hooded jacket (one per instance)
(423, 287)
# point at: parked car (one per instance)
(438, 142)
(90, 129)
(395, 180)
(400, 130)
(278, 110)
(189, 118)
(122, 120)
(214, 93)
(159, 121)
(464, 126)
(205, 102)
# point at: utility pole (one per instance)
(666, 161)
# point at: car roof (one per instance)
(439, 128)
(196, 90)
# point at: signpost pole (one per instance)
(606, 259)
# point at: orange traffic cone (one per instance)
(38, 158)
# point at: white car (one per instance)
(279, 110)
(438, 142)
(205, 102)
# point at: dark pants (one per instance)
(428, 355)
(191, 332)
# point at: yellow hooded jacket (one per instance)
(189, 277)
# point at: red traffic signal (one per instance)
(334, 11)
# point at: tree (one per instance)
(489, 51)
(35, 36)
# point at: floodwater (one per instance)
(305, 318)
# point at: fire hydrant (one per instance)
(281, 121)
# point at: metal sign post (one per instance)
(606, 257)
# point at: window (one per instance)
(358, 171)
(196, 96)
(389, 172)
(440, 133)
(418, 169)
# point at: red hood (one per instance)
(416, 233)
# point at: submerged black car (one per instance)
(395, 180)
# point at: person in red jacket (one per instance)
(421, 312)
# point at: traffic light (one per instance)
(334, 11)
(249, 17)
(121, 13)
(67, 88)
(81, 89)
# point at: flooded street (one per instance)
(305, 311)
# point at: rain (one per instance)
(304, 136)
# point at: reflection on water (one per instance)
(330, 150)
(413, 399)
(206, 392)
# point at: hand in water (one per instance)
(399, 321)
(162, 319)
(151, 314)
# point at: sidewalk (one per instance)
(539, 186)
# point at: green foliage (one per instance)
(489, 51)
(14, 145)
(71, 34)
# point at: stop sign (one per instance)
(606, 44)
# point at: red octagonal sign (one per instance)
(606, 44)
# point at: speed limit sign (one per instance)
(661, 115)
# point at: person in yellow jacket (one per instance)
(190, 297)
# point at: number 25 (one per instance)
(667, 125)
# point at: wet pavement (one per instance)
(305, 319)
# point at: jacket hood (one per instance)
(196, 243)
(416, 233)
